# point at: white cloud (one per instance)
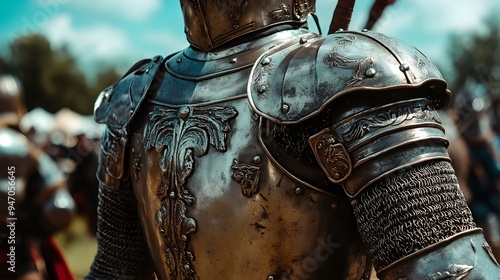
(89, 44)
(130, 9)
(165, 42)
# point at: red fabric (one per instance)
(56, 266)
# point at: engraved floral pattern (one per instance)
(180, 135)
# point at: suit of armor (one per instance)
(35, 202)
(265, 151)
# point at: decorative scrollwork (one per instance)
(392, 117)
(179, 135)
(452, 272)
(248, 176)
(334, 59)
(332, 156)
(280, 13)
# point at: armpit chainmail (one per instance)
(410, 210)
(294, 138)
(122, 251)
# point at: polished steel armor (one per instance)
(285, 156)
(211, 23)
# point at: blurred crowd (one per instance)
(48, 164)
(473, 129)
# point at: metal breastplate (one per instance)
(212, 203)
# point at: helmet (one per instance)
(211, 23)
(11, 101)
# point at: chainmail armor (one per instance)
(294, 138)
(122, 251)
(410, 210)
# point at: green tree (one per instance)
(52, 77)
(477, 55)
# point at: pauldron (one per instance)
(116, 107)
(381, 96)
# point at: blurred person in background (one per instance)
(32, 184)
(475, 124)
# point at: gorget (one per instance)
(213, 201)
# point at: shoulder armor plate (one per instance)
(290, 84)
(116, 107)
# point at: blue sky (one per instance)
(124, 31)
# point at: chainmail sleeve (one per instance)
(411, 210)
(122, 252)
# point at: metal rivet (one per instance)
(179, 60)
(266, 61)
(404, 67)
(298, 190)
(364, 30)
(336, 176)
(285, 108)
(256, 159)
(234, 60)
(184, 112)
(235, 26)
(261, 89)
(172, 195)
(340, 30)
(131, 112)
(370, 72)
(184, 237)
(270, 277)
(147, 71)
(334, 205)
(303, 40)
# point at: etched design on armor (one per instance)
(111, 147)
(282, 12)
(455, 271)
(346, 40)
(489, 251)
(247, 176)
(136, 164)
(452, 272)
(301, 8)
(421, 65)
(334, 59)
(235, 9)
(384, 119)
(180, 135)
(332, 156)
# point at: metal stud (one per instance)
(184, 112)
(340, 30)
(370, 72)
(298, 190)
(234, 60)
(266, 61)
(303, 41)
(172, 195)
(256, 159)
(404, 67)
(179, 60)
(261, 89)
(364, 30)
(285, 108)
(270, 277)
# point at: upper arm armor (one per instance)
(289, 84)
(381, 95)
(116, 107)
